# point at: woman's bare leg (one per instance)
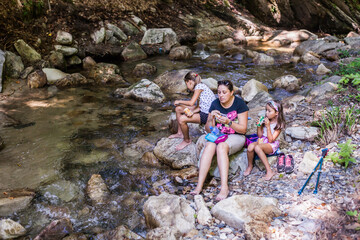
(222, 151)
(205, 163)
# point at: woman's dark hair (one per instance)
(227, 83)
(193, 76)
(277, 106)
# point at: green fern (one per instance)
(346, 152)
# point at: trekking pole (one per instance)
(324, 151)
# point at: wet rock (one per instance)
(169, 211)
(66, 50)
(146, 91)
(180, 53)
(263, 59)
(92, 158)
(354, 42)
(26, 52)
(322, 70)
(56, 230)
(150, 159)
(303, 133)
(7, 121)
(14, 201)
(36, 79)
(213, 58)
(117, 32)
(165, 151)
(10, 229)
(52, 75)
(65, 190)
(133, 52)
(203, 214)
(88, 63)
(57, 60)
(162, 233)
(226, 43)
(309, 58)
(13, 65)
(76, 236)
(144, 69)
(97, 189)
(289, 82)
(105, 73)
(172, 82)
(98, 36)
(119, 233)
(165, 36)
(316, 46)
(251, 88)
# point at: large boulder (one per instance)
(249, 213)
(165, 36)
(165, 151)
(260, 99)
(26, 52)
(322, 91)
(133, 52)
(106, 73)
(308, 163)
(316, 46)
(117, 32)
(180, 53)
(146, 91)
(73, 80)
(169, 211)
(144, 69)
(302, 133)
(251, 88)
(289, 82)
(263, 59)
(172, 82)
(13, 65)
(10, 229)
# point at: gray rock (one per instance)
(98, 36)
(64, 38)
(165, 151)
(52, 75)
(144, 69)
(310, 59)
(322, 91)
(26, 52)
(129, 29)
(133, 52)
(146, 91)
(15, 201)
(121, 232)
(303, 133)
(64, 190)
(180, 53)
(66, 50)
(118, 33)
(169, 211)
(354, 42)
(74, 60)
(322, 70)
(289, 82)
(13, 65)
(2, 61)
(10, 229)
(251, 88)
(172, 82)
(260, 99)
(159, 36)
(263, 59)
(106, 73)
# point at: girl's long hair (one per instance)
(280, 117)
(193, 76)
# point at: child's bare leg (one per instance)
(183, 121)
(222, 151)
(205, 163)
(250, 156)
(179, 110)
(261, 150)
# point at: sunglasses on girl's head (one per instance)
(224, 82)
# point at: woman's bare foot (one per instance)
(182, 145)
(248, 171)
(196, 191)
(268, 176)
(224, 192)
(176, 135)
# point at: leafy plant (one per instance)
(32, 9)
(351, 68)
(344, 157)
(343, 53)
(351, 79)
(355, 214)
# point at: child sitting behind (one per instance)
(267, 132)
(188, 112)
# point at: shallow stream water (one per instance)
(76, 132)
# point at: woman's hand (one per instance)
(214, 113)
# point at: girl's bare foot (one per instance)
(176, 135)
(248, 171)
(268, 176)
(182, 145)
(224, 192)
(196, 191)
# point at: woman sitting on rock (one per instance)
(230, 115)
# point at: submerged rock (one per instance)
(97, 189)
(14, 201)
(10, 229)
(57, 229)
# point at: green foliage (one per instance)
(334, 122)
(351, 68)
(33, 9)
(343, 53)
(344, 157)
(355, 214)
